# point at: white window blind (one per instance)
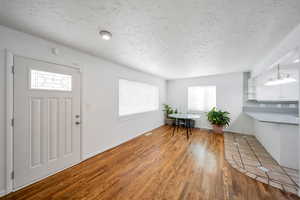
(201, 98)
(136, 97)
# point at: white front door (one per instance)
(46, 119)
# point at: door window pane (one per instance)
(201, 98)
(43, 80)
(136, 97)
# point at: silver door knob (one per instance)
(77, 123)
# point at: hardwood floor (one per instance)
(157, 166)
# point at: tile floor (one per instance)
(247, 155)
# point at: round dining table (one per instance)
(186, 118)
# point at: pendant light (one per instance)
(280, 79)
(297, 59)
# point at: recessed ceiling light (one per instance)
(105, 35)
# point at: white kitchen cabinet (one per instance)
(280, 140)
(285, 92)
(268, 93)
(289, 91)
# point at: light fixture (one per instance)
(280, 79)
(105, 35)
(297, 61)
(297, 57)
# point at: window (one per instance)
(136, 97)
(201, 98)
(43, 80)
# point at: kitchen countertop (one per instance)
(275, 117)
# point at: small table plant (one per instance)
(218, 119)
(169, 110)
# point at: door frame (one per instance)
(9, 112)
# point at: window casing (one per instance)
(136, 97)
(201, 98)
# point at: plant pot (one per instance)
(169, 121)
(217, 129)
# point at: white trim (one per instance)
(9, 116)
(2, 193)
(133, 116)
(89, 155)
(49, 62)
(81, 114)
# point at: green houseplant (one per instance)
(219, 119)
(169, 110)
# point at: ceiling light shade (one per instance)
(297, 61)
(280, 79)
(105, 35)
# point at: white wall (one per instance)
(229, 98)
(289, 43)
(101, 128)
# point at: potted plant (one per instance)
(219, 119)
(169, 110)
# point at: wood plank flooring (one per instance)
(155, 167)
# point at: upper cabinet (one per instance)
(289, 91)
(285, 92)
(257, 90)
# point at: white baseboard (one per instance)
(89, 155)
(2, 193)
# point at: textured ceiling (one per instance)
(169, 38)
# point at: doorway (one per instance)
(47, 119)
